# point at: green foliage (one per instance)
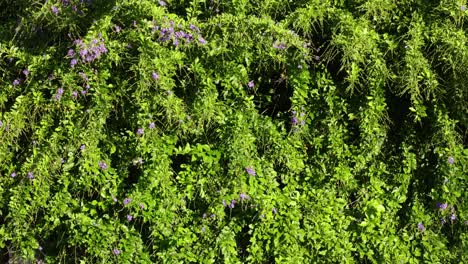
(263, 131)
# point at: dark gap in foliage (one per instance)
(398, 113)
(280, 170)
(274, 95)
(178, 160)
(243, 241)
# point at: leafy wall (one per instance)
(263, 131)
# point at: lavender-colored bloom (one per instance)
(152, 125)
(442, 206)
(116, 251)
(202, 40)
(71, 53)
(451, 160)
(250, 171)
(251, 84)
(75, 8)
(62, 160)
(129, 218)
(54, 10)
(13, 174)
(73, 62)
(204, 216)
(117, 28)
(421, 227)
(75, 94)
(142, 206)
(212, 215)
(155, 76)
(453, 217)
(463, 8)
(140, 131)
(224, 203)
(233, 202)
(25, 72)
(102, 165)
(279, 46)
(30, 175)
(299, 66)
(242, 196)
(127, 201)
(83, 92)
(193, 27)
(82, 147)
(16, 82)
(442, 221)
(302, 122)
(274, 210)
(294, 120)
(203, 229)
(162, 3)
(1, 123)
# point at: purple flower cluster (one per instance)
(127, 201)
(87, 52)
(451, 160)
(116, 251)
(233, 202)
(102, 165)
(129, 218)
(59, 94)
(243, 196)
(421, 227)
(250, 171)
(295, 119)
(442, 206)
(152, 125)
(279, 45)
(16, 82)
(54, 10)
(169, 34)
(140, 131)
(30, 175)
(250, 84)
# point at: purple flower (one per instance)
(82, 147)
(142, 206)
(250, 171)
(54, 10)
(279, 46)
(1, 123)
(155, 76)
(294, 121)
(70, 53)
(463, 8)
(451, 160)
(251, 84)
(224, 203)
(140, 131)
(116, 251)
(299, 66)
(73, 62)
(30, 175)
(16, 82)
(233, 202)
(83, 92)
(26, 72)
(129, 218)
(75, 94)
(274, 210)
(62, 160)
(242, 196)
(442, 206)
(127, 201)
(202, 40)
(151, 125)
(193, 27)
(421, 227)
(102, 165)
(203, 229)
(204, 216)
(162, 3)
(212, 215)
(117, 28)
(453, 217)
(13, 174)
(59, 94)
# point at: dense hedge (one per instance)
(262, 131)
